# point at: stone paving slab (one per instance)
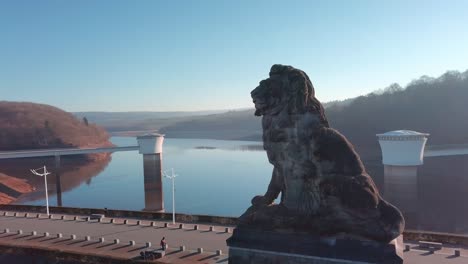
(142, 231)
(131, 254)
(187, 236)
(416, 256)
(446, 249)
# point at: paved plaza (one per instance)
(139, 231)
(92, 237)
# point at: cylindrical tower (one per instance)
(402, 154)
(402, 147)
(151, 148)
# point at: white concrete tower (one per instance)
(151, 148)
(402, 154)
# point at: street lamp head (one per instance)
(34, 171)
(166, 175)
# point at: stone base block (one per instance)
(263, 247)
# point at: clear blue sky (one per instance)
(198, 55)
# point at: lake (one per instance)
(218, 177)
(215, 177)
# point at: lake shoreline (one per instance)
(17, 183)
(181, 135)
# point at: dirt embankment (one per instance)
(11, 188)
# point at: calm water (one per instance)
(218, 180)
(219, 177)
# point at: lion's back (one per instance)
(332, 147)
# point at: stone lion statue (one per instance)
(324, 187)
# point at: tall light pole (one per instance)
(45, 183)
(172, 177)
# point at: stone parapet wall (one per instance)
(184, 218)
(445, 238)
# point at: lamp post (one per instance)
(172, 177)
(45, 183)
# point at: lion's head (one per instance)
(288, 89)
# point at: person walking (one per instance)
(163, 243)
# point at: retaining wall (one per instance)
(183, 218)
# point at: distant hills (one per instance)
(140, 121)
(32, 126)
(433, 105)
(437, 106)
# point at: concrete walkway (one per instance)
(102, 235)
(134, 230)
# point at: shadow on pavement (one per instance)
(136, 249)
(106, 245)
(117, 248)
(89, 244)
(208, 257)
(189, 255)
(173, 252)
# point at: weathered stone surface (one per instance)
(261, 247)
(324, 187)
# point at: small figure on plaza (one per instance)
(163, 243)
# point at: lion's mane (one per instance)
(297, 86)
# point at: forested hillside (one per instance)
(31, 126)
(434, 106)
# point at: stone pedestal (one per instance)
(264, 247)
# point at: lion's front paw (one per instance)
(260, 200)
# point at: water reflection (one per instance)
(152, 174)
(222, 179)
(74, 171)
(248, 147)
(251, 147)
(434, 197)
(401, 189)
(443, 191)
